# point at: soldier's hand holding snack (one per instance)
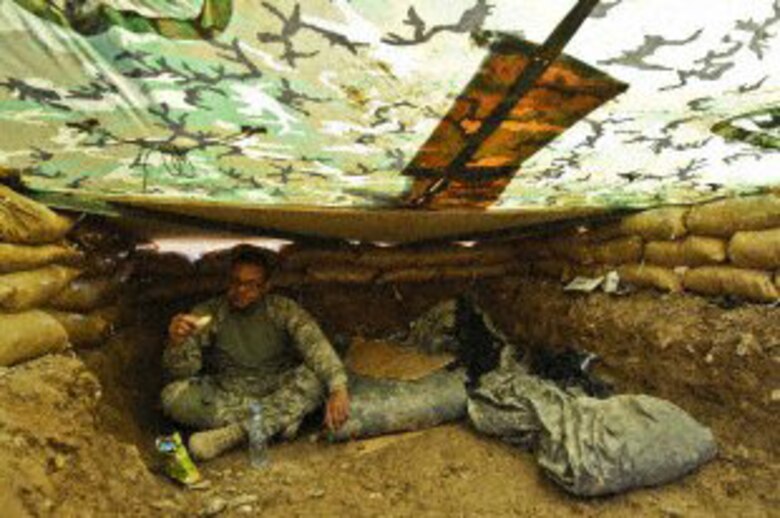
(185, 325)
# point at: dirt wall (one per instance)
(719, 363)
(55, 457)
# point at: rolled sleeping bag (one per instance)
(380, 407)
(588, 446)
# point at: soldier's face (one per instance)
(248, 283)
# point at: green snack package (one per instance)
(177, 463)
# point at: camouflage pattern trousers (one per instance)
(207, 402)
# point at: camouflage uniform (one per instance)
(273, 352)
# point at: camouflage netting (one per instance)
(325, 103)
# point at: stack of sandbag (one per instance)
(95, 303)
(751, 227)
(33, 269)
(57, 288)
(723, 248)
(215, 263)
(89, 309)
(590, 253)
(106, 246)
(668, 244)
(366, 264)
(170, 276)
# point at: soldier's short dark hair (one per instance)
(248, 254)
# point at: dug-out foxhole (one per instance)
(693, 319)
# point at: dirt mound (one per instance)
(53, 457)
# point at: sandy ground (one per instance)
(451, 471)
(76, 431)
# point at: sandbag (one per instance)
(383, 406)
(589, 446)
(344, 274)
(754, 285)
(286, 278)
(397, 258)
(446, 273)
(554, 268)
(757, 249)
(29, 335)
(179, 288)
(691, 251)
(533, 250)
(115, 315)
(99, 264)
(657, 224)
(649, 276)
(476, 272)
(14, 258)
(726, 217)
(84, 295)
(572, 249)
(25, 221)
(150, 263)
(215, 263)
(581, 251)
(404, 257)
(35, 287)
(97, 234)
(83, 330)
(600, 232)
(493, 253)
(618, 251)
(297, 257)
(409, 275)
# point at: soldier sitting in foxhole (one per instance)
(247, 346)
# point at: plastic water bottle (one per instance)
(258, 446)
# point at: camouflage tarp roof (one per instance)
(324, 103)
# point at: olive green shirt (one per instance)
(270, 337)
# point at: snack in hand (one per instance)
(202, 322)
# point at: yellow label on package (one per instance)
(177, 463)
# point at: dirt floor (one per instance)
(76, 431)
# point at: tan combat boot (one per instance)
(212, 443)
